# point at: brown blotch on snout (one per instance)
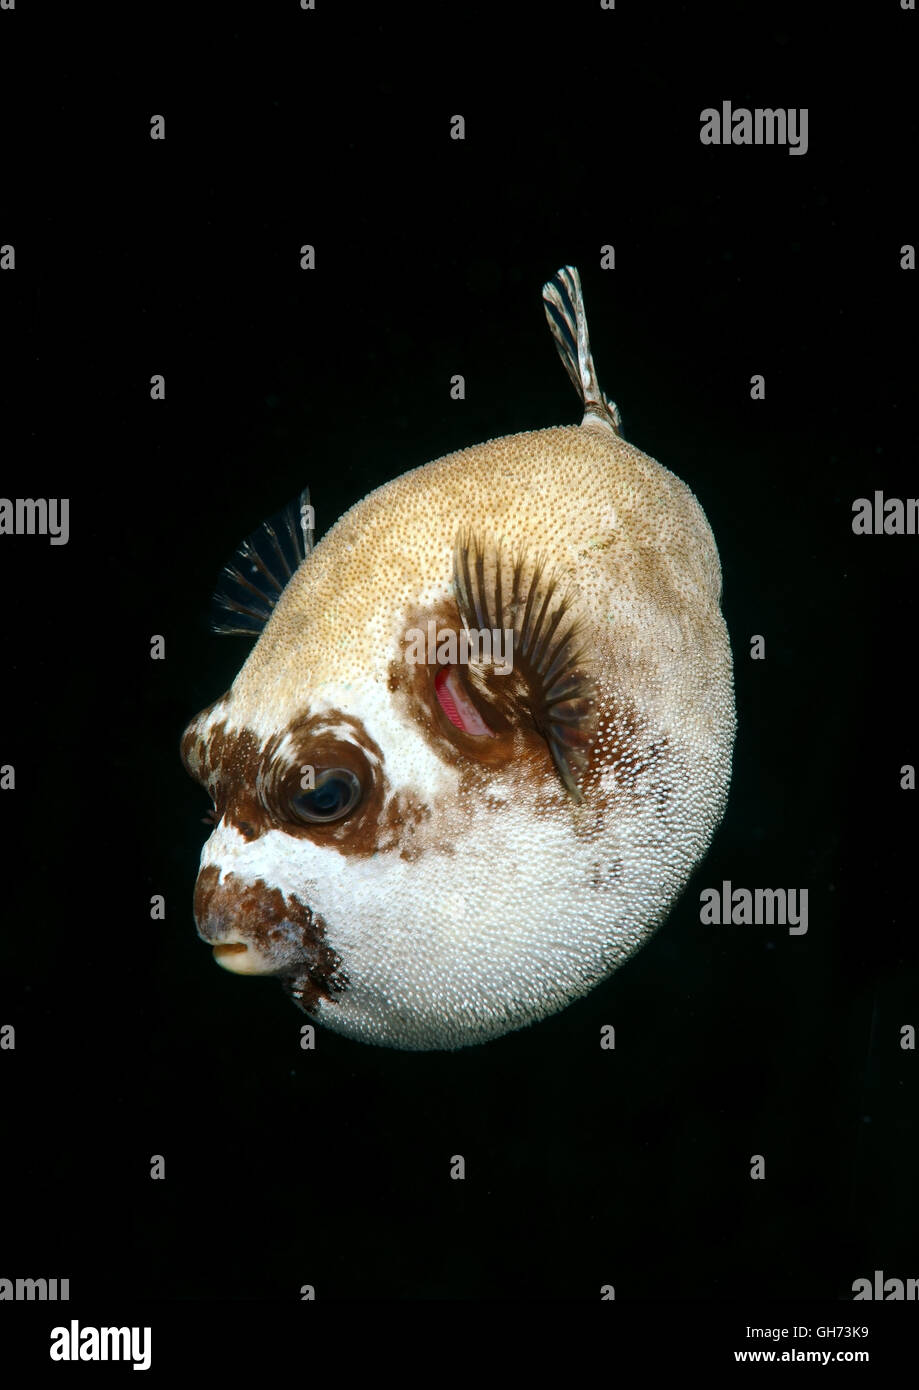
(206, 885)
(287, 937)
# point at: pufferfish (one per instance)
(482, 739)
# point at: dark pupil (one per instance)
(332, 796)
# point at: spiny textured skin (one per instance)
(489, 898)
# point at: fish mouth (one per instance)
(242, 959)
(253, 928)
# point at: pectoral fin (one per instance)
(550, 681)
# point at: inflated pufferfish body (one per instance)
(482, 740)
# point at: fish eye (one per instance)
(336, 793)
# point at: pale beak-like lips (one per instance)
(243, 957)
(236, 956)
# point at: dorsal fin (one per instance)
(565, 311)
(250, 586)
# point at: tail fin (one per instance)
(565, 312)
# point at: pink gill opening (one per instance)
(460, 711)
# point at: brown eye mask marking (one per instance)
(254, 786)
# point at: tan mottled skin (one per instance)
(521, 900)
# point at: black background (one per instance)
(133, 257)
